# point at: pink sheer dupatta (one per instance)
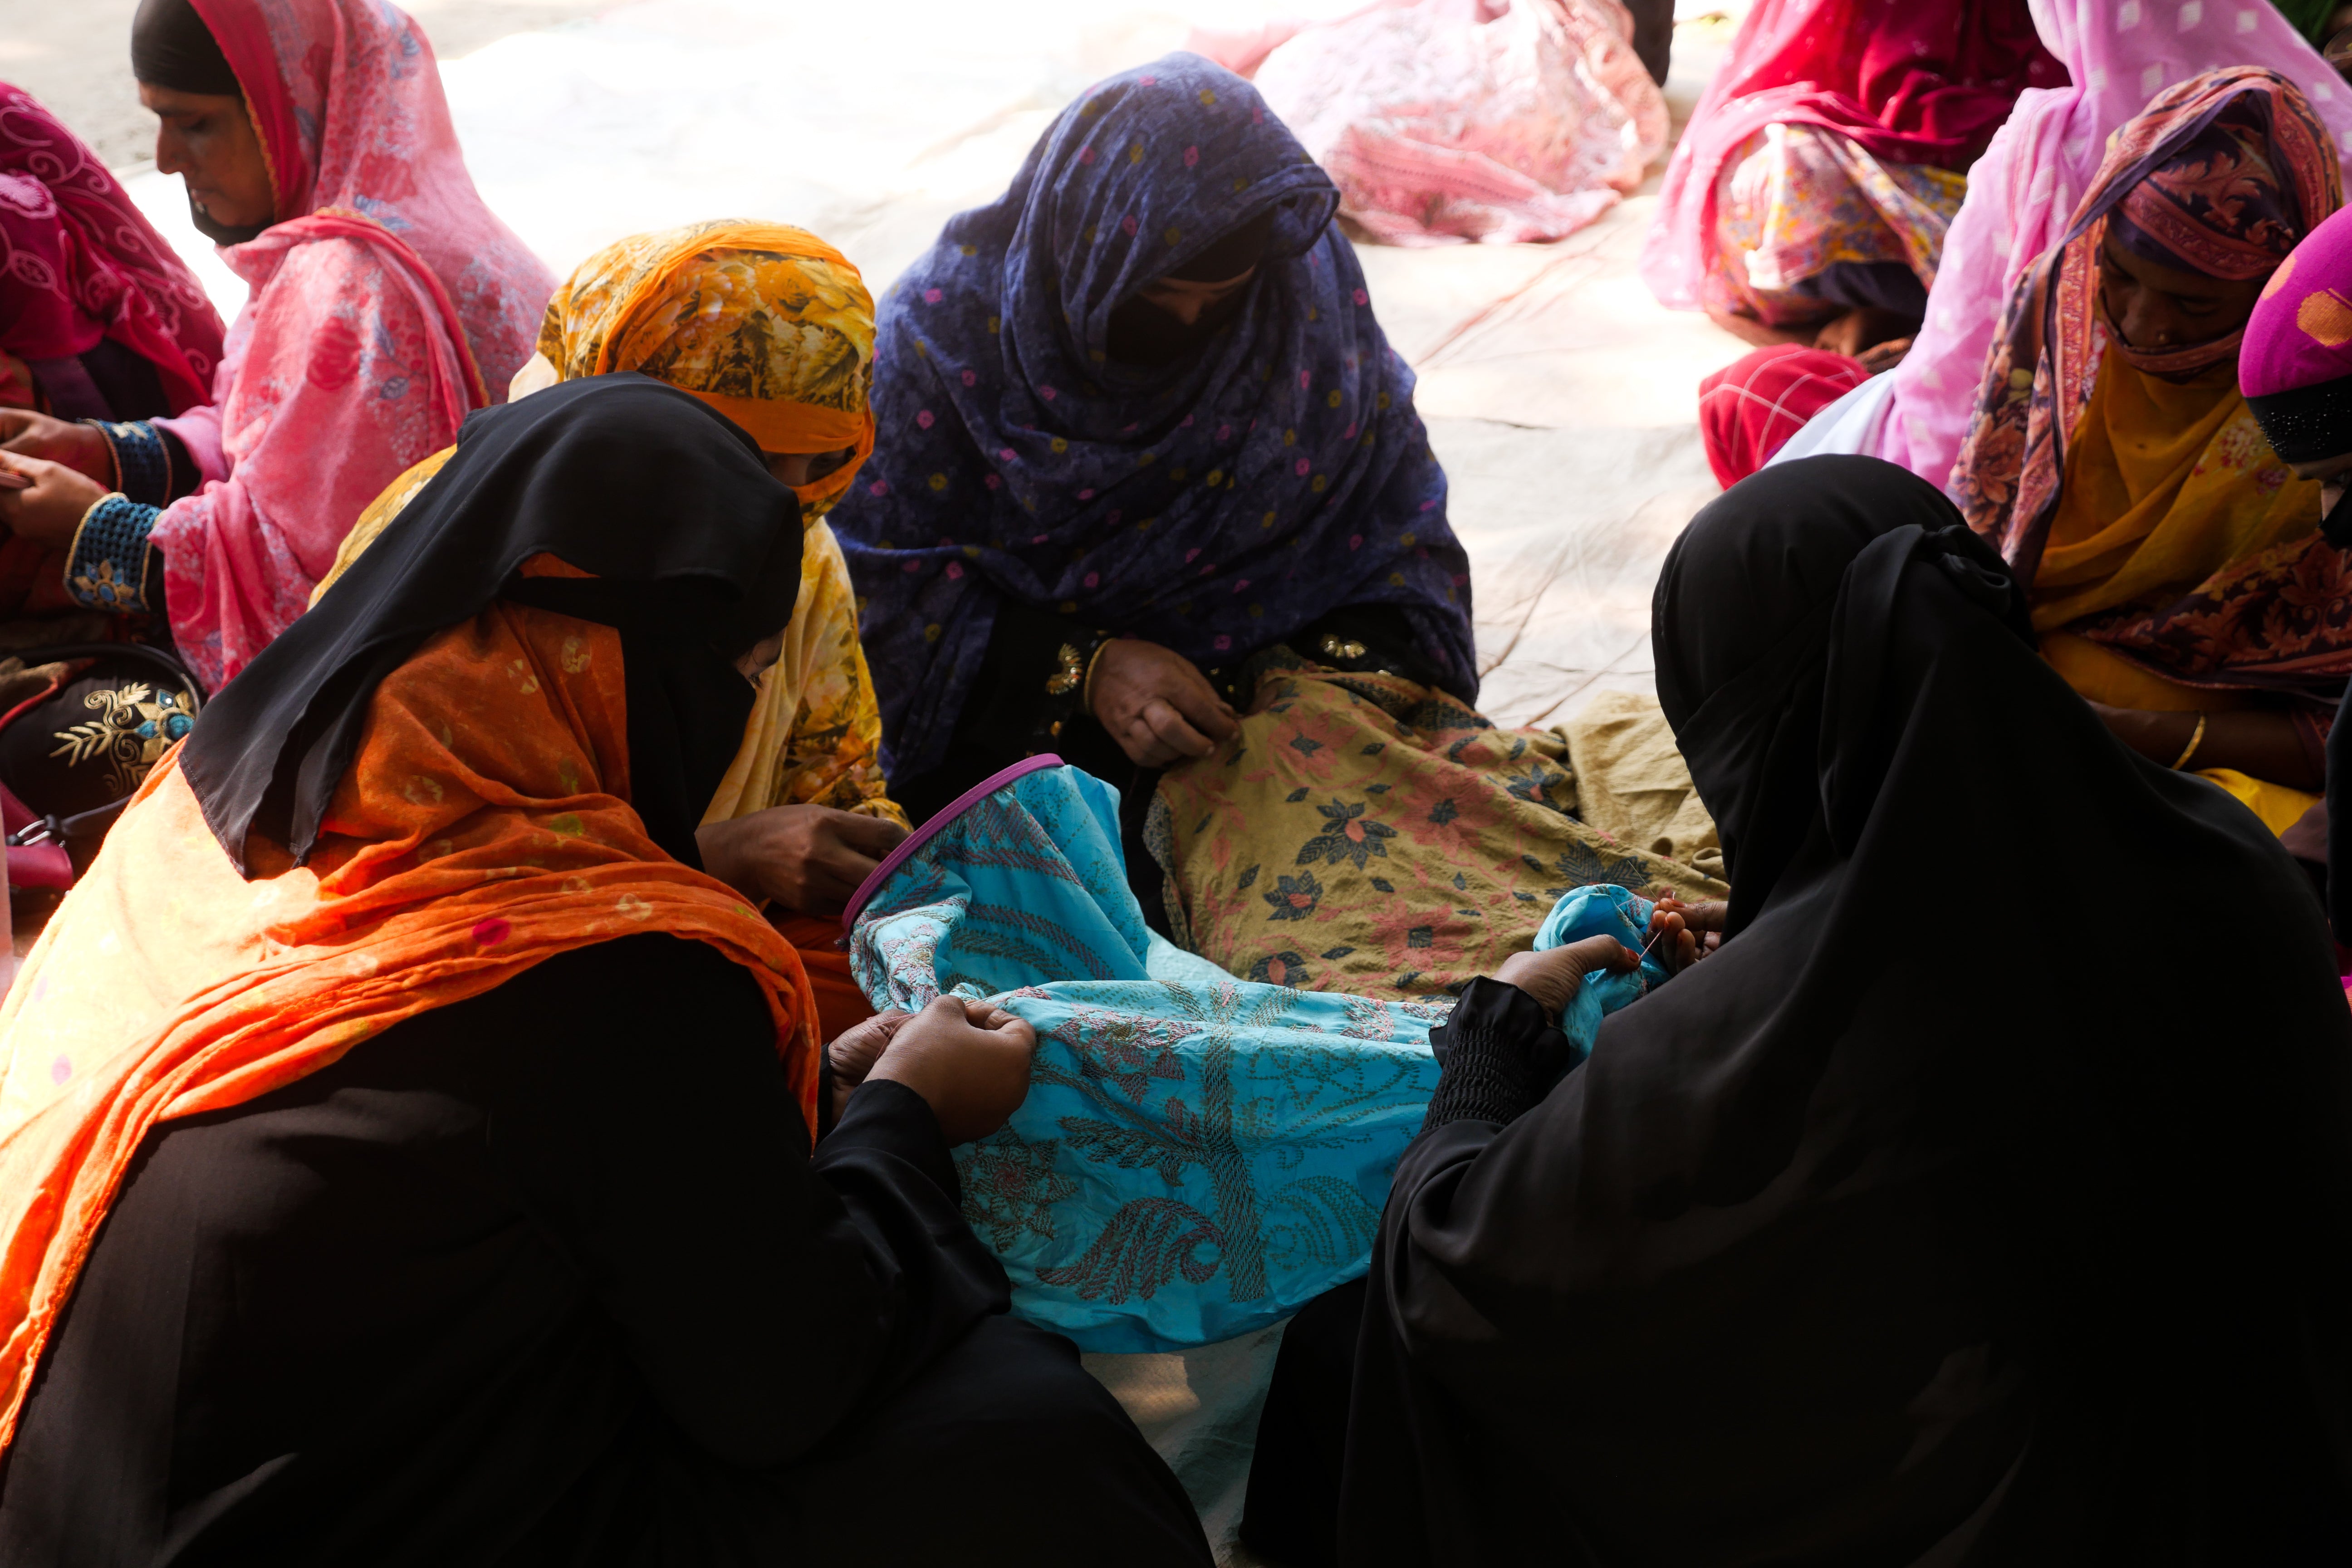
(387, 302)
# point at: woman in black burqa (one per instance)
(551, 1274)
(1985, 1198)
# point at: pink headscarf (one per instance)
(1921, 81)
(2023, 192)
(387, 302)
(84, 264)
(2300, 335)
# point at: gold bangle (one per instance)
(1086, 687)
(1065, 681)
(2196, 740)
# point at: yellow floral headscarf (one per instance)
(765, 322)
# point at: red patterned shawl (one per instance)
(82, 263)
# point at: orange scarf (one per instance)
(483, 826)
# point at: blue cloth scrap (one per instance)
(1199, 1156)
(111, 566)
(143, 462)
(1602, 909)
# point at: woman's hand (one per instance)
(1553, 977)
(969, 1060)
(1684, 934)
(855, 1051)
(805, 857)
(78, 446)
(45, 501)
(1156, 704)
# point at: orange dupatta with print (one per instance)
(483, 826)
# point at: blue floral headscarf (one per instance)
(1217, 504)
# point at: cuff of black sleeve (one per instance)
(888, 1118)
(151, 466)
(1032, 683)
(111, 566)
(1499, 1055)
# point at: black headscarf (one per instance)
(694, 556)
(171, 47)
(1989, 1193)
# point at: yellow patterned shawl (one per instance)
(765, 322)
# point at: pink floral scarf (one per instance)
(387, 302)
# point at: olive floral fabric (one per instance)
(1364, 834)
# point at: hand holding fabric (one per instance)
(1157, 704)
(44, 502)
(1686, 933)
(969, 1060)
(852, 1054)
(1554, 976)
(805, 857)
(76, 444)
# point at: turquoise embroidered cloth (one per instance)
(1199, 1156)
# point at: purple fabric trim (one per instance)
(922, 835)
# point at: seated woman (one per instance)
(1828, 1254)
(439, 1186)
(387, 302)
(2117, 468)
(1137, 424)
(1808, 198)
(774, 329)
(99, 320)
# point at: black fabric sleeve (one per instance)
(1367, 639)
(1011, 713)
(762, 1296)
(1499, 1055)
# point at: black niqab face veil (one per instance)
(1747, 608)
(694, 554)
